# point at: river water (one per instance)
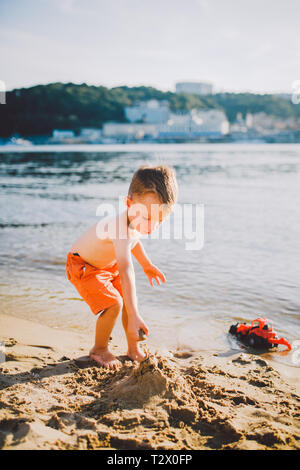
(249, 264)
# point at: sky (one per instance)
(238, 45)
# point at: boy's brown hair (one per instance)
(160, 179)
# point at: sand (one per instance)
(54, 397)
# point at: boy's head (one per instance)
(152, 194)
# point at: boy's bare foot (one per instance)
(136, 354)
(105, 358)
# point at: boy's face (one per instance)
(146, 212)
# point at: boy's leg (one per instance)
(134, 351)
(104, 326)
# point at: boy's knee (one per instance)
(117, 307)
(114, 309)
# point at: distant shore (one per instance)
(54, 397)
(189, 147)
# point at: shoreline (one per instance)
(129, 147)
(53, 397)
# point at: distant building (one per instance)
(266, 123)
(196, 88)
(90, 134)
(196, 123)
(264, 128)
(151, 111)
(160, 122)
(129, 131)
(59, 134)
(249, 120)
(241, 125)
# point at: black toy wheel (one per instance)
(257, 342)
(240, 336)
(233, 329)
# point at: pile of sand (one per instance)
(50, 401)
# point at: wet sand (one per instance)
(53, 397)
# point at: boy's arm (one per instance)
(140, 255)
(127, 275)
(151, 271)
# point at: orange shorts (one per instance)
(100, 288)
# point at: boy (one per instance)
(100, 265)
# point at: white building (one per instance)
(196, 88)
(61, 134)
(265, 123)
(151, 111)
(90, 134)
(196, 123)
(241, 125)
(127, 130)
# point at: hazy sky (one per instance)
(239, 45)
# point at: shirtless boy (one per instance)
(100, 265)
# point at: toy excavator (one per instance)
(259, 334)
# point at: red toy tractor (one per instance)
(258, 335)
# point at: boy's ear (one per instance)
(127, 201)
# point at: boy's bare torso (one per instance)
(96, 245)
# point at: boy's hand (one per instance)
(152, 271)
(134, 325)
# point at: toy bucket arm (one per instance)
(281, 341)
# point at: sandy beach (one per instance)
(54, 397)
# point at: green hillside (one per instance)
(40, 109)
